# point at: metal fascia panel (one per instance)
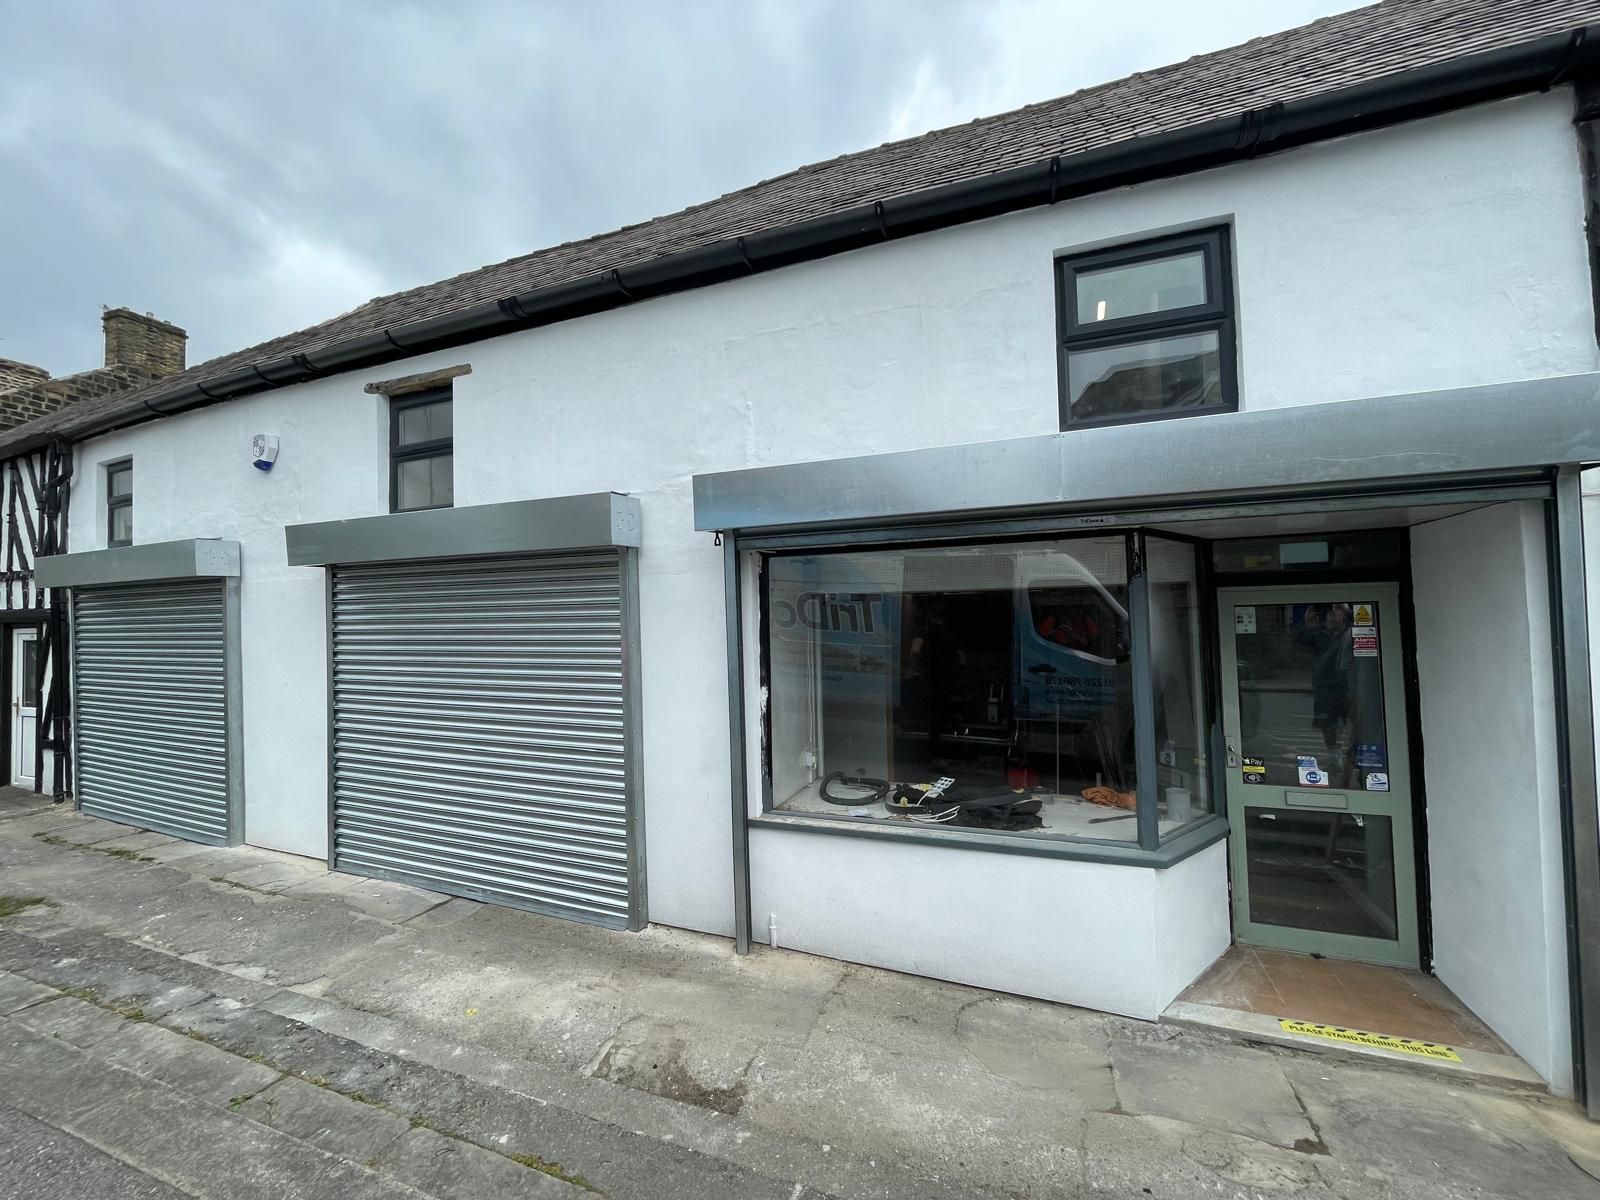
(191, 558)
(519, 527)
(1461, 432)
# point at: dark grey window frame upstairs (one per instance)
(114, 502)
(435, 448)
(1215, 315)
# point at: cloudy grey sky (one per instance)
(248, 169)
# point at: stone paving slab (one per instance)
(449, 1167)
(179, 851)
(204, 1151)
(330, 883)
(85, 959)
(91, 831)
(40, 1162)
(201, 1071)
(137, 842)
(45, 821)
(282, 871)
(390, 901)
(451, 912)
(622, 1164)
(325, 1119)
(17, 992)
(73, 1021)
(1475, 1140)
(1214, 1085)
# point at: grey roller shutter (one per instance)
(479, 743)
(151, 702)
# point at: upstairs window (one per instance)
(1147, 330)
(421, 451)
(119, 503)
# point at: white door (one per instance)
(24, 704)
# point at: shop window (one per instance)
(119, 503)
(1147, 330)
(978, 687)
(421, 451)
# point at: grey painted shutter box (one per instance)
(153, 703)
(481, 717)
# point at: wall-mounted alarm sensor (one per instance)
(263, 451)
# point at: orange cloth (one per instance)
(1109, 797)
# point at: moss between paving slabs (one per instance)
(532, 1161)
(15, 904)
(50, 839)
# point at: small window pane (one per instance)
(412, 483)
(424, 423)
(425, 482)
(443, 479)
(1165, 373)
(1157, 286)
(119, 482)
(121, 521)
(30, 672)
(1004, 668)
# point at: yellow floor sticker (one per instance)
(1360, 1037)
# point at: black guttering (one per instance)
(1427, 91)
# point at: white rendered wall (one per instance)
(1120, 939)
(1444, 253)
(1488, 725)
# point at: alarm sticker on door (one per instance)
(1311, 774)
(1255, 770)
(1363, 615)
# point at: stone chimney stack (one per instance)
(143, 341)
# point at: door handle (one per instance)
(1233, 751)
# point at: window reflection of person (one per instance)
(1327, 635)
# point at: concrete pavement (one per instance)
(400, 1029)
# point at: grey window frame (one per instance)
(1216, 315)
(1150, 849)
(436, 448)
(113, 503)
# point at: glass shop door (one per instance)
(1319, 786)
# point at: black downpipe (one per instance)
(1427, 91)
(1586, 122)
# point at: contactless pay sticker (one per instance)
(1255, 770)
(1244, 618)
(1311, 773)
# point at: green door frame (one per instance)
(1395, 804)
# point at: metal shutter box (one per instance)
(150, 661)
(480, 742)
